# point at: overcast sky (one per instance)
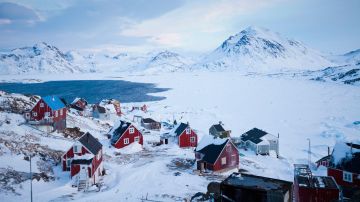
(182, 25)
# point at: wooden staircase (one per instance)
(82, 185)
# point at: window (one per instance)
(188, 130)
(223, 160)
(34, 114)
(68, 162)
(56, 113)
(233, 158)
(228, 148)
(192, 139)
(126, 141)
(131, 130)
(61, 112)
(41, 104)
(47, 114)
(98, 155)
(77, 149)
(347, 176)
(137, 139)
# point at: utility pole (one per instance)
(309, 152)
(31, 195)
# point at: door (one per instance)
(83, 173)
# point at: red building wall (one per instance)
(232, 158)
(306, 194)
(338, 176)
(120, 143)
(184, 139)
(70, 154)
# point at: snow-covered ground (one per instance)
(295, 108)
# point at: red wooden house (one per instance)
(49, 112)
(309, 188)
(124, 134)
(216, 154)
(79, 104)
(84, 161)
(345, 167)
(183, 135)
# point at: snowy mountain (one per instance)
(40, 58)
(347, 74)
(260, 50)
(350, 58)
(167, 61)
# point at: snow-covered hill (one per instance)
(347, 74)
(40, 58)
(260, 50)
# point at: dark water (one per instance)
(92, 90)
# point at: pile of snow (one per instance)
(208, 140)
(260, 50)
(342, 151)
(131, 149)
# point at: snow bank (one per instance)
(132, 148)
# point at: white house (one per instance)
(260, 141)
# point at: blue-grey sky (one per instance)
(184, 25)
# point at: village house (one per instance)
(49, 114)
(217, 130)
(260, 141)
(313, 188)
(245, 187)
(150, 124)
(344, 166)
(182, 134)
(124, 134)
(79, 104)
(100, 112)
(112, 106)
(84, 161)
(216, 154)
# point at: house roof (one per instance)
(53, 102)
(100, 109)
(82, 161)
(350, 164)
(346, 156)
(79, 99)
(180, 129)
(118, 130)
(218, 127)
(254, 135)
(91, 143)
(149, 120)
(257, 183)
(324, 158)
(212, 151)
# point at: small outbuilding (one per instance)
(217, 130)
(245, 187)
(260, 141)
(150, 124)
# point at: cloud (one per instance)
(14, 13)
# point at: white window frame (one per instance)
(34, 114)
(61, 112)
(192, 139)
(126, 141)
(98, 155)
(41, 104)
(131, 130)
(47, 114)
(223, 160)
(68, 163)
(188, 130)
(347, 176)
(137, 139)
(56, 113)
(76, 149)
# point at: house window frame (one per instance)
(347, 176)
(126, 141)
(56, 113)
(47, 114)
(76, 149)
(233, 158)
(188, 131)
(223, 160)
(68, 162)
(137, 139)
(41, 104)
(131, 130)
(192, 139)
(34, 114)
(61, 112)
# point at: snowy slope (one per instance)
(40, 58)
(260, 50)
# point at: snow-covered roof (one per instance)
(342, 150)
(208, 140)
